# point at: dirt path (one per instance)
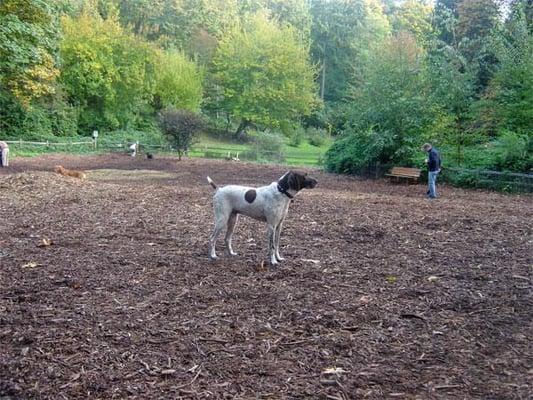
(383, 295)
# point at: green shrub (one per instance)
(36, 121)
(181, 128)
(297, 135)
(356, 152)
(514, 152)
(316, 136)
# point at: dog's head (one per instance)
(297, 181)
(59, 169)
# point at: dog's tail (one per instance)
(213, 184)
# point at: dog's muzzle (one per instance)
(310, 183)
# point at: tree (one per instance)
(477, 20)
(178, 82)
(106, 72)
(288, 12)
(179, 24)
(386, 117)
(342, 34)
(445, 20)
(261, 74)
(180, 127)
(509, 98)
(29, 37)
(413, 16)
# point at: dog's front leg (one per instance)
(277, 239)
(271, 244)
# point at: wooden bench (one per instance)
(405, 173)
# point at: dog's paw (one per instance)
(213, 257)
(280, 259)
(232, 253)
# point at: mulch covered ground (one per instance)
(106, 291)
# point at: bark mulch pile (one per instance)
(106, 291)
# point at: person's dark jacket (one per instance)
(433, 160)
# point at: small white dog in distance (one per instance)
(267, 203)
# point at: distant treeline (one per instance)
(382, 76)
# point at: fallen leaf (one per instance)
(45, 242)
(365, 299)
(31, 264)
(334, 371)
(168, 371)
(433, 278)
(311, 261)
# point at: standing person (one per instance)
(4, 154)
(433, 162)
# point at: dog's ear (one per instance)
(292, 181)
(296, 181)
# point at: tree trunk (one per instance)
(323, 82)
(241, 129)
(228, 122)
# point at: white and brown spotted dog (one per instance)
(267, 203)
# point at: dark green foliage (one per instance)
(514, 152)
(444, 20)
(181, 128)
(358, 152)
(387, 118)
(42, 119)
(342, 35)
(509, 98)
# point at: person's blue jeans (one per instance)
(432, 184)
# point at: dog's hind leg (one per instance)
(229, 233)
(220, 224)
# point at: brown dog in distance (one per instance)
(68, 172)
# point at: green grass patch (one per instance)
(304, 154)
(206, 147)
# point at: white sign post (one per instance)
(95, 138)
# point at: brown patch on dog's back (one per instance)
(250, 196)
